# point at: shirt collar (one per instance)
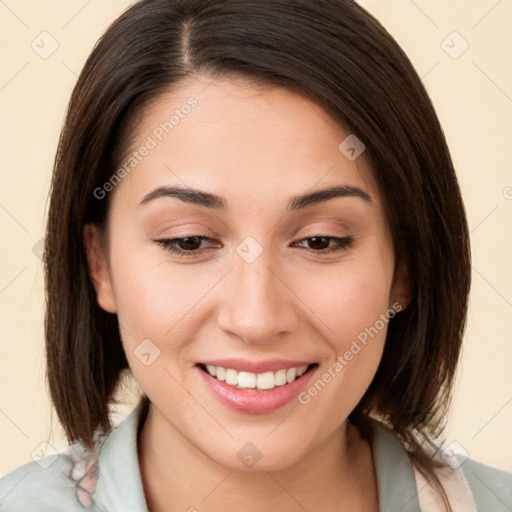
(120, 489)
(395, 477)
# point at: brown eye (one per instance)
(190, 243)
(186, 246)
(321, 243)
(318, 242)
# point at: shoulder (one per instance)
(491, 487)
(47, 484)
(44, 485)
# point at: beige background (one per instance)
(473, 97)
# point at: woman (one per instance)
(254, 212)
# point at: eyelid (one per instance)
(330, 232)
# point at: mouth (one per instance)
(268, 387)
(262, 381)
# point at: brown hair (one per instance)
(330, 51)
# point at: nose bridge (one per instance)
(256, 304)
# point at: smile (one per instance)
(249, 380)
(255, 388)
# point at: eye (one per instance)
(187, 246)
(321, 243)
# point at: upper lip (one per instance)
(244, 365)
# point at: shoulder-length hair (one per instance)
(332, 52)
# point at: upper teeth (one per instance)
(267, 380)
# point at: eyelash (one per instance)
(170, 244)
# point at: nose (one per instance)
(257, 302)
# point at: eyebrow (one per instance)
(214, 202)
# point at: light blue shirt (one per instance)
(31, 488)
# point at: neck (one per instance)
(338, 475)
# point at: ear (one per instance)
(401, 290)
(98, 269)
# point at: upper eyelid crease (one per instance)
(215, 202)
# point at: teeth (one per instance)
(245, 379)
(301, 370)
(265, 380)
(231, 377)
(291, 374)
(248, 380)
(280, 377)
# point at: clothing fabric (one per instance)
(46, 485)
(454, 484)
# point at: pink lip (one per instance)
(243, 365)
(251, 401)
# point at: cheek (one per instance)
(354, 310)
(159, 309)
(157, 304)
(350, 298)
(152, 293)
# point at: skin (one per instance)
(255, 146)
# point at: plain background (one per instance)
(472, 92)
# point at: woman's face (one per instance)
(271, 282)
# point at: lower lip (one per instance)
(251, 401)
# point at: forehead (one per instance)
(235, 138)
